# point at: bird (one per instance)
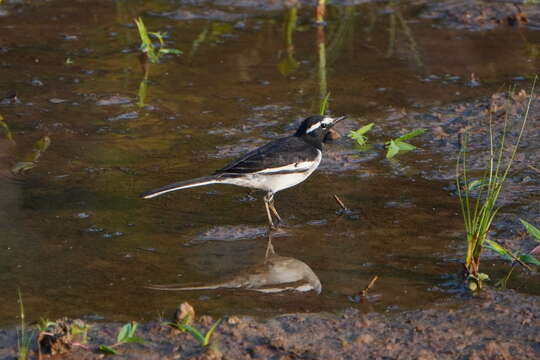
(274, 274)
(278, 165)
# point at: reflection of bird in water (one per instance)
(275, 274)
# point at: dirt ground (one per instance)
(490, 325)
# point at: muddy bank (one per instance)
(483, 15)
(490, 325)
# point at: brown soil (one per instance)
(490, 325)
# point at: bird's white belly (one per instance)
(274, 182)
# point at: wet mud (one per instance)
(490, 325)
(483, 15)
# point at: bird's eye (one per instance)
(323, 125)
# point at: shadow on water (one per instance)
(77, 240)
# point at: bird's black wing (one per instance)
(278, 153)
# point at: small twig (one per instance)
(364, 292)
(150, 250)
(340, 203)
(534, 168)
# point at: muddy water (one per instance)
(76, 239)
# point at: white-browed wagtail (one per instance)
(278, 165)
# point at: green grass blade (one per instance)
(209, 332)
(492, 245)
(529, 259)
(403, 146)
(411, 134)
(133, 339)
(531, 229)
(126, 332)
(324, 104)
(194, 332)
(107, 350)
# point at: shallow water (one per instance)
(78, 241)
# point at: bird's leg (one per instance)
(269, 248)
(267, 206)
(273, 208)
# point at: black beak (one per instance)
(338, 119)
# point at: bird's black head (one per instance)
(315, 128)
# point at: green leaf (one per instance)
(483, 276)
(364, 129)
(194, 332)
(133, 339)
(170, 51)
(505, 254)
(209, 333)
(393, 149)
(411, 134)
(7, 131)
(126, 332)
(529, 259)
(531, 229)
(358, 135)
(403, 146)
(123, 333)
(107, 350)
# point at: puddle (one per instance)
(247, 75)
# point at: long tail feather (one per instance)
(179, 287)
(206, 180)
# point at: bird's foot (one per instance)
(278, 225)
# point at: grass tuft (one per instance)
(183, 326)
(479, 212)
(23, 336)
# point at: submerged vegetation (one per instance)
(32, 158)
(5, 129)
(393, 146)
(147, 47)
(149, 52)
(397, 145)
(360, 135)
(479, 208)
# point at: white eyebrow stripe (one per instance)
(326, 121)
(313, 127)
